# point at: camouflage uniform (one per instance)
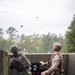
(56, 65)
(15, 64)
(19, 62)
(56, 61)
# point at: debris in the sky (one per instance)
(37, 17)
(21, 25)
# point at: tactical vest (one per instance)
(60, 65)
(24, 61)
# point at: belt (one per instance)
(24, 71)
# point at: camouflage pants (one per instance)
(55, 73)
(28, 73)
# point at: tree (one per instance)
(61, 40)
(1, 32)
(22, 37)
(11, 32)
(17, 38)
(4, 44)
(47, 42)
(70, 37)
(36, 43)
(26, 43)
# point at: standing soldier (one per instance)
(55, 62)
(19, 62)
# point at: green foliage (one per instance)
(48, 41)
(36, 43)
(22, 37)
(32, 43)
(1, 32)
(3, 44)
(11, 32)
(70, 37)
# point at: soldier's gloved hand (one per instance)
(42, 63)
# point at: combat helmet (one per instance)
(14, 48)
(57, 47)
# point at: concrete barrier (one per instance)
(36, 58)
(3, 62)
(69, 63)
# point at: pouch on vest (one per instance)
(24, 61)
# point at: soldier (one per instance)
(19, 62)
(55, 62)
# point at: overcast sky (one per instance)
(40, 16)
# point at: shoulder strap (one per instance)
(61, 61)
(50, 61)
(52, 57)
(62, 69)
